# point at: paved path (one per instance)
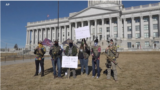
(20, 61)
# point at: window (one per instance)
(53, 34)
(107, 22)
(115, 29)
(122, 29)
(108, 36)
(93, 37)
(137, 27)
(100, 30)
(129, 28)
(129, 44)
(137, 20)
(137, 44)
(115, 21)
(137, 35)
(145, 19)
(155, 34)
(128, 21)
(100, 36)
(146, 35)
(68, 33)
(155, 18)
(146, 43)
(63, 34)
(93, 31)
(156, 42)
(115, 35)
(155, 26)
(129, 36)
(108, 29)
(58, 34)
(146, 27)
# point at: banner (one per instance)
(47, 42)
(82, 32)
(69, 61)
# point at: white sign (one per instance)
(82, 32)
(69, 61)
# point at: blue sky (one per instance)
(14, 17)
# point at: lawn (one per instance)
(139, 71)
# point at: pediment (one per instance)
(93, 11)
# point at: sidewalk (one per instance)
(3, 63)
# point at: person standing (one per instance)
(83, 55)
(39, 52)
(96, 50)
(111, 54)
(71, 50)
(55, 53)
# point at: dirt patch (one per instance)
(139, 72)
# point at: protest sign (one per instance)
(69, 61)
(82, 32)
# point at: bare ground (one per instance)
(140, 71)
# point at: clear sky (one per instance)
(16, 14)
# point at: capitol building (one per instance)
(131, 27)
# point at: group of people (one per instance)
(83, 55)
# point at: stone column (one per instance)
(103, 30)
(26, 37)
(70, 31)
(110, 25)
(133, 28)
(65, 33)
(159, 26)
(125, 28)
(119, 27)
(33, 35)
(95, 25)
(150, 26)
(51, 33)
(89, 29)
(59, 34)
(75, 25)
(142, 32)
(29, 39)
(41, 34)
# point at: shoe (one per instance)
(42, 75)
(97, 77)
(60, 77)
(55, 77)
(36, 75)
(92, 76)
(81, 73)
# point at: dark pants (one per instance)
(93, 67)
(58, 62)
(84, 63)
(37, 66)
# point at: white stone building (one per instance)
(138, 26)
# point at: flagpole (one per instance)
(58, 18)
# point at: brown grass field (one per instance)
(139, 71)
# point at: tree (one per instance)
(16, 46)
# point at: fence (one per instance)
(18, 57)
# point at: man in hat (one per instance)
(96, 50)
(111, 54)
(71, 50)
(39, 52)
(55, 53)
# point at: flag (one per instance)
(47, 15)
(47, 42)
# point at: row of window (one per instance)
(138, 45)
(146, 19)
(129, 28)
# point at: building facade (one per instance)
(136, 27)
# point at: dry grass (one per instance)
(139, 72)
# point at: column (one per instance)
(33, 35)
(151, 27)
(125, 28)
(59, 34)
(142, 32)
(82, 25)
(46, 33)
(95, 25)
(159, 25)
(110, 25)
(29, 39)
(103, 30)
(65, 32)
(26, 37)
(41, 34)
(133, 28)
(89, 30)
(70, 31)
(51, 33)
(119, 27)
(75, 25)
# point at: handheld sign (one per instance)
(82, 32)
(69, 61)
